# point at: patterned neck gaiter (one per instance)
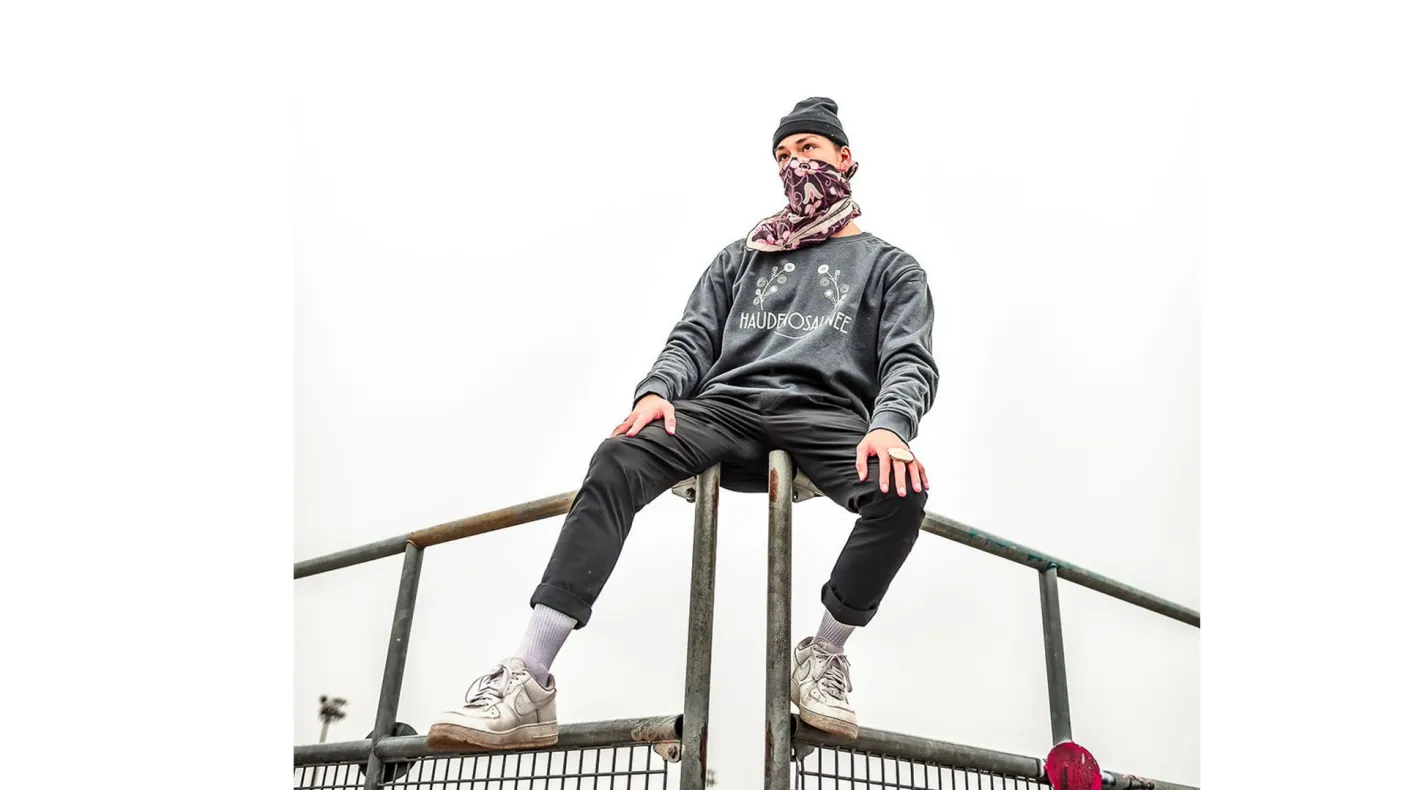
(818, 205)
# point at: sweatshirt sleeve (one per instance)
(696, 341)
(907, 370)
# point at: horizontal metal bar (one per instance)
(910, 747)
(938, 525)
(624, 732)
(1116, 781)
(328, 753)
(954, 755)
(497, 519)
(441, 533)
(348, 557)
(586, 735)
(589, 735)
(992, 544)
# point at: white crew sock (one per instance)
(547, 631)
(834, 632)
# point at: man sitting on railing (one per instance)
(809, 336)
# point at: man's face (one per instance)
(809, 145)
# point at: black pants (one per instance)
(628, 473)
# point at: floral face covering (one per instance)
(818, 205)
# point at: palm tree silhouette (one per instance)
(330, 710)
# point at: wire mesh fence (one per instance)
(829, 768)
(635, 767)
(335, 776)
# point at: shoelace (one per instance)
(491, 688)
(834, 673)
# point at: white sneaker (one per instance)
(505, 709)
(819, 684)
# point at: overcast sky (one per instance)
(500, 214)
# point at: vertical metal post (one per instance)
(395, 660)
(698, 672)
(781, 476)
(1054, 656)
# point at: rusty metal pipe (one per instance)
(535, 510)
(781, 476)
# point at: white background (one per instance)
(499, 217)
(147, 326)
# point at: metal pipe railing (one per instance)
(587, 735)
(954, 755)
(331, 753)
(780, 477)
(1055, 677)
(934, 524)
(698, 667)
(397, 650)
(349, 557)
(535, 510)
(692, 727)
(956, 531)
(911, 747)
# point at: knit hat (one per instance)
(816, 114)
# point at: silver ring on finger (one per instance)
(901, 454)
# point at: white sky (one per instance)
(500, 213)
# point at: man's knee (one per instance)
(624, 468)
(613, 457)
(903, 512)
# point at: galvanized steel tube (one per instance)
(328, 753)
(1055, 677)
(349, 557)
(910, 747)
(994, 544)
(588, 735)
(396, 652)
(698, 669)
(955, 755)
(781, 475)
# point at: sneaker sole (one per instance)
(845, 729)
(451, 737)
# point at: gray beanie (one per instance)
(816, 114)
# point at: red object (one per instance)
(1071, 767)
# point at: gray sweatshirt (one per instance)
(850, 318)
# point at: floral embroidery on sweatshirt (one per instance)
(834, 290)
(800, 317)
(765, 286)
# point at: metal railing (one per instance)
(627, 753)
(793, 750)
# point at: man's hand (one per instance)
(878, 442)
(650, 408)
